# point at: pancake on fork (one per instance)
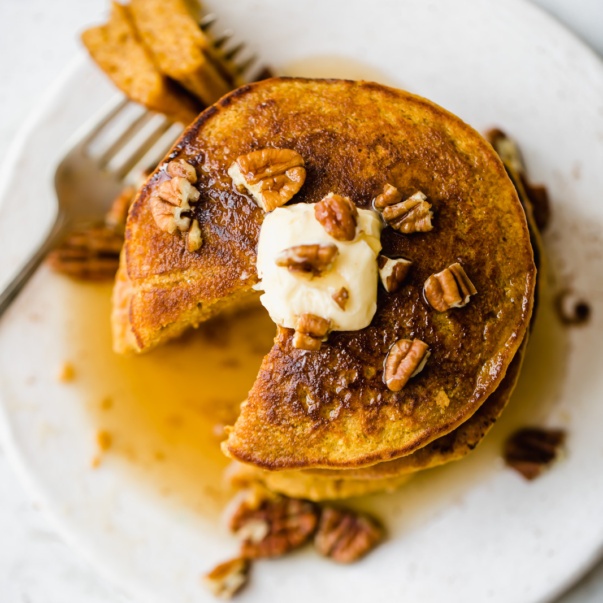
(330, 408)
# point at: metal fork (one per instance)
(86, 181)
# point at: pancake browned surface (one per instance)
(322, 484)
(331, 408)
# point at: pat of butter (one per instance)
(288, 294)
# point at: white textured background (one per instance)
(37, 39)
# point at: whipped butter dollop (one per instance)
(287, 295)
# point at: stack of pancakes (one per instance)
(323, 424)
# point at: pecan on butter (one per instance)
(311, 259)
(310, 332)
(341, 297)
(338, 216)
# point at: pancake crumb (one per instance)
(442, 399)
(66, 373)
(104, 440)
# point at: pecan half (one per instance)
(404, 360)
(346, 536)
(226, 579)
(310, 332)
(450, 288)
(390, 196)
(338, 216)
(271, 176)
(278, 525)
(341, 297)
(392, 272)
(309, 259)
(532, 449)
(90, 254)
(412, 215)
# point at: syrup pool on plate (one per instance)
(164, 412)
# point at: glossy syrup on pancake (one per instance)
(324, 484)
(330, 408)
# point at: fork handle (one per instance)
(12, 290)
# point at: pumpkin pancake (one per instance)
(329, 484)
(322, 484)
(331, 408)
(299, 484)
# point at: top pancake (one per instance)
(331, 408)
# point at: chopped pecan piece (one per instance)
(404, 360)
(226, 579)
(310, 332)
(170, 204)
(412, 215)
(278, 525)
(450, 288)
(309, 259)
(341, 297)
(182, 169)
(346, 536)
(194, 239)
(338, 216)
(392, 272)
(390, 196)
(532, 449)
(271, 176)
(90, 254)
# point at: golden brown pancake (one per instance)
(322, 484)
(331, 408)
(119, 51)
(299, 484)
(325, 484)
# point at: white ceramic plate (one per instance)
(470, 532)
